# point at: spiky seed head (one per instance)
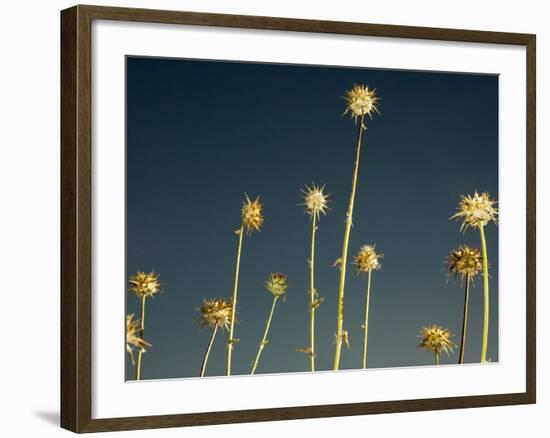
(251, 214)
(315, 201)
(366, 259)
(216, 313)
(276, 284)
(465, 262)
(436, 339)
(361, 101)
(143, 284)
(476, 211)
(133, 337)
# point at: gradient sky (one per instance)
(201, 133)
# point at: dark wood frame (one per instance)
(76, 237)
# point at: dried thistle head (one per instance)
(216, 313)
(366, 259)
(276, 284)
(143, 284)
(465, 262)
(251, 214)
(133, 337)
(315, 201)
(361, 101)
(436, 339)
(476, 211)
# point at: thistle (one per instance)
(360, 101)
(366, 261)
(276, 285)
(214, 314)
(251, 220)
(466, 263)
(476, 212)
(133, 338)
(315, 204)
(436, 339)
(143, 286)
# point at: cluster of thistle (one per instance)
(464, 264)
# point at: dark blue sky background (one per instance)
(200, 134)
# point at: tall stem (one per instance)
(366, 322)
(485, 296)
(207, 353)
(436, 354)
(344, 258)
(464, 320)
(312, 296)
(142, 328)
(263, 342)
(231, 340)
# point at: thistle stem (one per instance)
(485, 296)
(436, 354)
(231, 340)
(142, 329)
(366, 322)
(264, 338)
(312, 295)
(207, 353)
(344, 258)
(464, 320)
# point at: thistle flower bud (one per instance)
(216, 313)
(144, 284)
(366, 260)
(361, 101)
(276, 284)
(436, 339)
(477, 210)
(251, 214)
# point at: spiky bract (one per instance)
(216, 313)
(465, 262)
(315, 201)
(143, 284)
(251, 214)
(436, 339)
(276, 284)
(361, 101)
(367, 259)
(477, 210)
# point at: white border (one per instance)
(112, 397)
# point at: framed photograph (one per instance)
(269, 219)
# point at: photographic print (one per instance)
(306, 218)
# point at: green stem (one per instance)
(264, 338)
(464, 320)
(436, 354)
(485, 296)
(231, 339)
(312, 296)
(205, 360)
(366, 322)
(142, 330)
(344, 258)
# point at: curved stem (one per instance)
(485, 296)
(344, 258)
(464, 320)
(142, 329)
(264, 338)
(366, 322)
(312, 296)
(207, 353)
(231, 339)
